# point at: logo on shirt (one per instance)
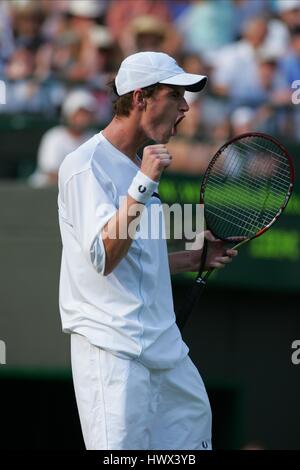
(142, 188)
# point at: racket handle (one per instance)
(186, 310)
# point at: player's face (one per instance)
(165, 109)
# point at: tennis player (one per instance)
(135, 385)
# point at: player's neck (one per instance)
(123, 134)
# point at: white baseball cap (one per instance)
(78, 99)
(287, 5)
(147, 68)
(85, 8)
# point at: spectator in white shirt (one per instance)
(78, 116)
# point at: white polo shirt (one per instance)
(129, 312)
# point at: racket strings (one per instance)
(234, 212)
(249, 220)
(283, 164)
(244, 227)
(280, 178)
(240, 189)
(265, 186)
(248, 200)
(246, 185)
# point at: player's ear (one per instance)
(138, 99)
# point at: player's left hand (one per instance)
(218, 255)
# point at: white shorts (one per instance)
(125, 406)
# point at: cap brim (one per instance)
(190, 81)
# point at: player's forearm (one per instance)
(181, 262)
(119, 232)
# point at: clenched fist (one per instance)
(155, 159)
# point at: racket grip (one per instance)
(186, 310)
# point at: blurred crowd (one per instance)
(250, 50)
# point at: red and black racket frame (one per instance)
(200, 280)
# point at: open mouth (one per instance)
(174, 128)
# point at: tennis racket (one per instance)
(244, 191)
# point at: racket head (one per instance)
(246, 187)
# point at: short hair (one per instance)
(122, 105)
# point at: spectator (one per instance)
(64, 56)
(28, 19)
(290, 72)
(23, 92)
(77, 111)
(242, 120)
(82, 17)
(248, 72)
(235, 66)
(193, 63)
(289, 11)
(271, 85)
(6, 36)
(206, 26)
(279, 29)
(244, 10)
(148, 33)
(120, 13)
(290, 64)
(84, 14)
(108, 56)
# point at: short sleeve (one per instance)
(89, 205)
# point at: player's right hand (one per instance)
(155, 159)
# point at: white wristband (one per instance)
(142, 187)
